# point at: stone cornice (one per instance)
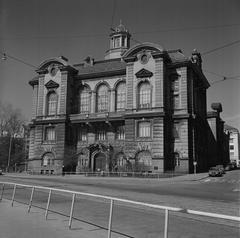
(101, 74)
(68, 68)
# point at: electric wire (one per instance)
(17, 59)
(221, 47)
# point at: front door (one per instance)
(100, 162)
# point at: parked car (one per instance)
(221, 168)
(230, 166)
(215, 172)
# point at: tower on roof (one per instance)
(119, 42)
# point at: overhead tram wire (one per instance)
(221, 47)
(113, 15)
(17, 59)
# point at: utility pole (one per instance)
(9, 152)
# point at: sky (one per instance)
(35, 30)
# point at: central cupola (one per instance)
(119, 42)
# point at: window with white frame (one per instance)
(82, 134)
(120, 132)
(51, 103)
(144, 129)
(144, 95)
(121, 97)
(84, 100)
(50, 134)
(101, 134)
(102, 98)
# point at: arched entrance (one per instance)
(100, 162)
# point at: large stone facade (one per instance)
(142, 108)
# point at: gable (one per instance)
(51, 84)
(144, 73)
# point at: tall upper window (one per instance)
(144, 129)
(175, 93)
(84, 100)
(102, 98)
(52, 103)
(121, 97)
(49, 134)
(144, 94)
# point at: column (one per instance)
(112, 101)
(93, 102)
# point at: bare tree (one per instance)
(11, 126)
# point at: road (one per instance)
(220, 195)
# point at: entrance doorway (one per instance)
(100, 162)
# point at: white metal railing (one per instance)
(112, 200)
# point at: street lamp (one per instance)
(9, 150)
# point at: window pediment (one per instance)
(144, 73)
(51, 84)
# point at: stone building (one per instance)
(141, 108)
(234, 144)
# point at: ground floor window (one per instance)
(100, 134)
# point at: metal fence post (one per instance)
(71, 212)
(166, 224)
(110, 219)
(31, 198)
(14, 191)
(2, 192)
(48, 203)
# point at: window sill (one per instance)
(49, 142)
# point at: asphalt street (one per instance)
(219, 195)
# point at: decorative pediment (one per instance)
(51, 84)
(143, 73)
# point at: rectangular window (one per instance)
(176, 130)
(231, 140)
(175, 93)
(49, 134)
(176, 101)
(82, 134)
(231, 147)
(120, 132)
(100, 134)
(144, 129)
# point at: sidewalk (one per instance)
(15, 222)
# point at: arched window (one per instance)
(144, 95)
(84, 100)
(52, 103)
(102, 98)
(48, 159)
(121, 97)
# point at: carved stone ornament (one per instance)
(51, 84)
(144, 73)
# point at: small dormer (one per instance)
(119, 42)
